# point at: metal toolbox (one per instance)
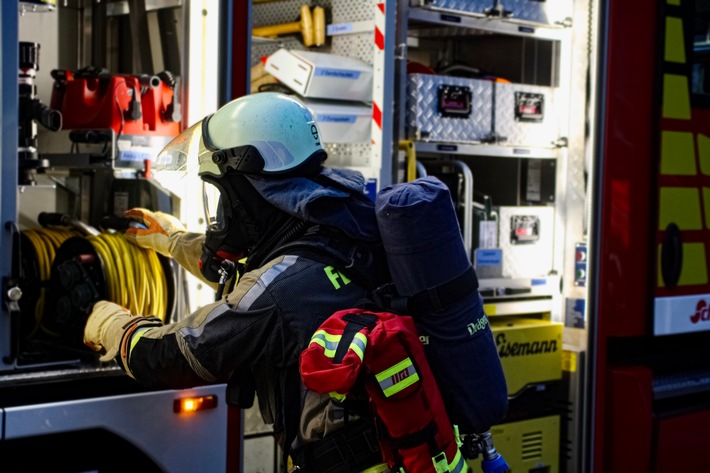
(449, 109)
(548, 12)
(479, 7)
(526, 236)
(525, 115)
(535, 12)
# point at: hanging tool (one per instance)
(31, 112)
(311, 26)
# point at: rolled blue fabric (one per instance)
(463, 356)
(421, 235)
(422, 238)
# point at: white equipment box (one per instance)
(526, 238)
(322, 75)
(342, 122)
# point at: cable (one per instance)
(135, 278)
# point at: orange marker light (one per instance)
(188, 405)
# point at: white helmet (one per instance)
(263, 133)
(268, 134)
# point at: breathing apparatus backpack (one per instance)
(427, 354)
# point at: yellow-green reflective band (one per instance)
(134, 339)
(379, 468)
(326, 340)
(398, 377)
(459, 463)
(358, 345)
(329, 343)
(337, 396)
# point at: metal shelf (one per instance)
(540, 298)
(123, 8)
(507, 26)
(473, 149)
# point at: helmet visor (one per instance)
(185, 151)
(212, 202)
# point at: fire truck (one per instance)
(572, 135)
(648, 371)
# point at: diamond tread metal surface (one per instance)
(426, 123)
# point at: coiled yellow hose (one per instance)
(135, 278)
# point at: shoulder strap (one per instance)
(429, 300)
(355, 323)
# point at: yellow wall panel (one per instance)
(680, 205)
(676, 97)
(704, 153)
(675, 45)
(678, 153)
(706, 206)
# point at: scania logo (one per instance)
(702, 312)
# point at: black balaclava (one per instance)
(252, 227)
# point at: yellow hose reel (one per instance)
(75, 271)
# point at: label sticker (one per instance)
(336, 118)
(337, 73)
(489, 257)
(339, 28)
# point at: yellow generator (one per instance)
(529, 446)
(530, 351)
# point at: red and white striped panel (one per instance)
(378, 86)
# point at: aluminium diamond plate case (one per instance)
(477, 7)
(525, 115)
(547, 12)
(526, 236)
(535, 12)
(449, 109)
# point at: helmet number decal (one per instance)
(314, 133)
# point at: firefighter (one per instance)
(273, 204)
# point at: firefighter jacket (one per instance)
(255, 334)
(385, 348)
(258, 330)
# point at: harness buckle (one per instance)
(440, 463)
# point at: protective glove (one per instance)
(162, 232)
(109, 328)
(166, 235)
